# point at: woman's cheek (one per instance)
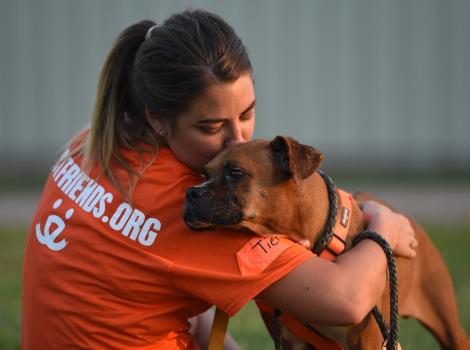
(213, 149)
(248, 129)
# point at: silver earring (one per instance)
(162, 132)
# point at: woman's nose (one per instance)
(234, 137)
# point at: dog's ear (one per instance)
(295, 159)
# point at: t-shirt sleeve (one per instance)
(229, 268)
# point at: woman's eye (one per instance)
(247, 116)
(210, 131)
(211, 128)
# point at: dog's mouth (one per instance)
(195, 225)
(209, 212)
(193, 221)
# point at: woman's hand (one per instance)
(393, 227)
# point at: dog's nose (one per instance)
(194, 193)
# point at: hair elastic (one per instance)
(149, 32)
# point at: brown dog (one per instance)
(273, 186)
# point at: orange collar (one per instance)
(340, 230)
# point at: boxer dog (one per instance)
(274, 186)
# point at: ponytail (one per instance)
(117, 116)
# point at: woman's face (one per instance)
(222, 117)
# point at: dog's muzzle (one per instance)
(203, 210)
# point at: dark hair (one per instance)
(164, 73)
(184, 56)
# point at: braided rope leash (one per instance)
(390, 336)
(327, 236)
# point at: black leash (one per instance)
(327, 235)
(390, 336)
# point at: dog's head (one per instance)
(246, 186)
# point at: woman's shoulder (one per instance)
(146, 159)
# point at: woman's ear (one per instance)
(159, 126)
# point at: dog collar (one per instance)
(333, 240)
(337, 243)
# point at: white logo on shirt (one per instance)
(48, 237)
(94, 199)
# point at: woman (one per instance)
(109, 262)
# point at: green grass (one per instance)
(246, 326)
(12, 242)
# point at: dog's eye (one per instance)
(235, 174)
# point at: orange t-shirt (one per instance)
(101, 273)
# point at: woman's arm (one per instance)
(342, 292)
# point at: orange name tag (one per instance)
(259, 252)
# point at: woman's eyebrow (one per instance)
(218, 120)
(211, 120)
(250, 107)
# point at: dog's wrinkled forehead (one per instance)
(249, 156)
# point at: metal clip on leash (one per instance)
(390, 336)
